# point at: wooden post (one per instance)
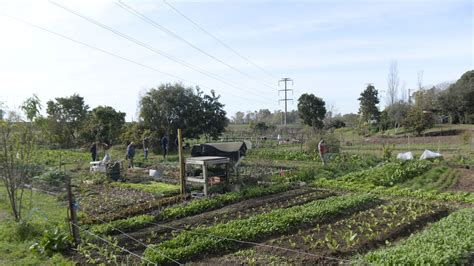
(204, 176)
(73, 214)
(182, 177)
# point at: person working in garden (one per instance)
(130, 154)
(322, 149)
(146, 146)
(93, 151)
(164, 145)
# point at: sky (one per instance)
(332, 49)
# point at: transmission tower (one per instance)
(286, 90)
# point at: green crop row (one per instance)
(447, 242)
(192, 208)
(158, 189)
(390, 173)
(128, 224)
(218, 237)
(396, 191)
(199, 206)
(284, 155)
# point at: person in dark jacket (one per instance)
(93, 151)
(146, 146)
(130, 154)
(164, 145)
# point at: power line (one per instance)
(218, 40)
(153, 49)
(175, 35)
(114, 55)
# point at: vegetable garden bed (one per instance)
(202, 240)
(330, 243)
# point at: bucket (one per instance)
(154, 173)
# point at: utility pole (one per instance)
(286, 90)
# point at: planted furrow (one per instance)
(202, 240)
(363, 231)
(237, 211)
(447, 242)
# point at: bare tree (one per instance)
(392, 81)
(17, 143)
(403, 96)
(420, 80)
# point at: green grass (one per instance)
(158, 189)
(16, 239)
(447, 242)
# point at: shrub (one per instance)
(53, 240)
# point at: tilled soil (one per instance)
(465, 181)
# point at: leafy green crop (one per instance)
(396, 191)
(158, 189)
(134, 222)
(191, 208)
(447, 242)
(202, 239)
(199, 206)
(389, 174)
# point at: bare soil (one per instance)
(465, 181)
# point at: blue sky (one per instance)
(330, 48)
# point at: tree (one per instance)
(335, 123)
(104, 124)
(214, 120)
(396, 113)
(312, 110)
(172, 106)
(368, 109)
(392, 83)
(457, 100)
(239, 118)
(66, 117)
(418, 120)
(17, 142)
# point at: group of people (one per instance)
(130, 152)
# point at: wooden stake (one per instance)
(72, 209)
(182, 176)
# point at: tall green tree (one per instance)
(66, 117)
(214, 117)
(104, 124)
(458, 99)
(368, 109)
(312, 110)
(172, 106)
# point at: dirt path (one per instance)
(465, 182)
